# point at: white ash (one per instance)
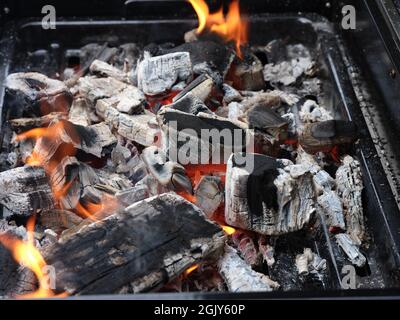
(236, 111)
(239, 276)
(309, 262)
(351, 249)
(311, 112)
(79, 112)
(159, 74)
(350, 185)
(231, 94)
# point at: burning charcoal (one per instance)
(134, 194)
(311, 112)
(267, 250)
(268, 121)
(103, 69)
(247, 248)
(25, 190)
(141, 240)
(209, 57)
(247, 73)
(140, 128)
(350, 185)
(332, 207)
(209, 195)
(189, 134)
(267, 197)
(323, 136)
(59, 220)
(79, 112)
(189, 103)
(111, 92)
(170, 174)
(239, 276)
(95, 139)
(231, 94)
(23, 124)
(351, 250)
(158, 75)
(201, 88)
(34, 92)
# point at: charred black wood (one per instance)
(157, 75)
(322, 136)
(163, 235)
(23, 124)
(59, 220)
(264, 195)
(189, 103)
(37, 94)
(170, 174)
(247, 73)
(24, 190)
(210, 57)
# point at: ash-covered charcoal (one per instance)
(324, 135)
(308, 262)
(59, 220)
(350, 185)
(189, 103)
(209, 194)
(79, 112)
(170, 174)
(134, 194)
(23, 124)
(201, 88)
(310, 111)
(239, 277)
(231, 94)
(24, 190)
(267, 250)
(332, 207)
(247, 73)
(123, 161)
(271, 197)
(246, 245)
(103, 69)
(113, 93)
(351, 249)
(194, 139)
(35, 93)
(157, 75)
(268, 121)
(140, 128)
(209, 57)
(162, 235)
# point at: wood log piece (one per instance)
(103, 69)
(24, 190)
(162, 235)
(349, 186)
(36, 93)
(239, 276)
(201, 88)
(266, 195)
(157, 75)
(23, 124)
(59, 220)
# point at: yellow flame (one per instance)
(230, 28)
(228, 230)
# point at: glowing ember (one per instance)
(27, 255)
(228, 230)
(230, 28)
(191, 269)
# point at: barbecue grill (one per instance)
(362, 68)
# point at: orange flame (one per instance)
(191, 269)
(27, 255)
(230, 28)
